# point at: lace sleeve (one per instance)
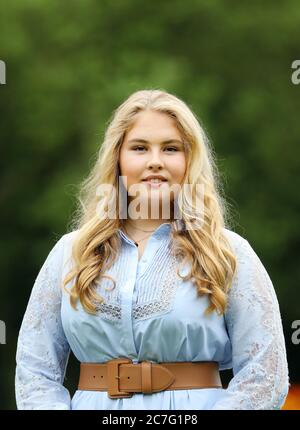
(260, 371)
(42, 349)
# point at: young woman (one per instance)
(152, 306)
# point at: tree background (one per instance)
(68, 66)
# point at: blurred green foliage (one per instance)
(70, 65)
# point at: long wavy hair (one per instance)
(97, 243)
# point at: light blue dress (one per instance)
(153, 315)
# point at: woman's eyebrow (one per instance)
(146, 141)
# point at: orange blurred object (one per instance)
(293, 399)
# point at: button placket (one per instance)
(126, 303)
(151, 248)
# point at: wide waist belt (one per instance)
(121, 378)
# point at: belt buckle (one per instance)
(113, 378)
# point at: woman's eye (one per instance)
(142, 147)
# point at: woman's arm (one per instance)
(43, 350)
(254, 326)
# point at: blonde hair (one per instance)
(97, 243)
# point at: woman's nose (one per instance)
(155, 160)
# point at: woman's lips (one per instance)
(155, 184)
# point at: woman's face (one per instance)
(153, 146)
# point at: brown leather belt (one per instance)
(121, 377)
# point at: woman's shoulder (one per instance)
(241, 247)
(67, 238)
(248, 260)
(235, 239)
(64, 243)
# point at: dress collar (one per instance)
(162, 231)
